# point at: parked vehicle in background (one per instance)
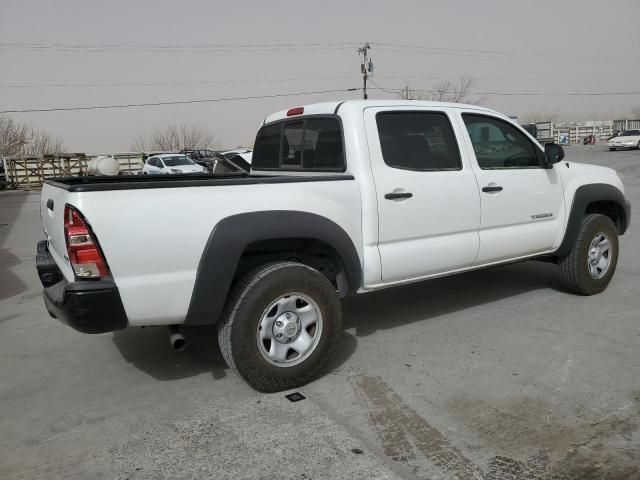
(242, 160)
(238, 151)
(202, 156)
(171, 163)
(614, 134)
(627, 139)
(343, 198)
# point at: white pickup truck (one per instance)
(343, 198)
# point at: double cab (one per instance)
(342, 198)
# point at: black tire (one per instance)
(612, 149)
(574, 269)
(250, 297)
(638, 146)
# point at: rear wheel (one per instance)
(280, 326)
(588, 268)
(612, 149)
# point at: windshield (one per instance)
(177, 161)
(630, 133)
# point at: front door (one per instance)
(522, 203)
(428, 200)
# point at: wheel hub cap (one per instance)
(599, 256)
(286, 327)
(289, 330)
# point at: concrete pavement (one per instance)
(495, 374)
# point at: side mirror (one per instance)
(553, 153)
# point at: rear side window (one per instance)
(314, 144)
(422, 141)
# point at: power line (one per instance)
(399, 47)
(578, 94)
(241, 81)
(378, 87)
(177, 102)
(389, 46)
(174, 45)
(150, 84)
(209, 47)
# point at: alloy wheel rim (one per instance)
(599, 255)
(289, 329)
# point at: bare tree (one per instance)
(23, 139)
(174, 137)
(459, 91)
(13, 136)
(42, 143)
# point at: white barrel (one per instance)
(103, 165)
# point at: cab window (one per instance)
(313, 143)
(499, 144)
(422, 141)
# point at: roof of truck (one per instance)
(331, 107)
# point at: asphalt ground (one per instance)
(494, 374)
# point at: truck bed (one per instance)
(137, 182)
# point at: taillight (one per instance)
(84, 253)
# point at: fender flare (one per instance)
(584, 195)
(232, 235)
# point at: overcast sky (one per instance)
(506, 45)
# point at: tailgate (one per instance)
(52, 203)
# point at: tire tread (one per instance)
(240, 294)
(571, 271)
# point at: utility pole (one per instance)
(366, 67)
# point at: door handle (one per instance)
(492, 188)
(397, 195)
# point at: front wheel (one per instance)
(280, 326)
(611, 149)
(588, 268)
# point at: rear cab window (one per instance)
(312, 143)
(418, 140)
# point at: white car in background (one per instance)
(627, 139)
(171, 163)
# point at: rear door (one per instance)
(522, 203)
(428, 201)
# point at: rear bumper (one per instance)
(87, 306)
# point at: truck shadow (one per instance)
(422, 301)
(148, 349)
(11, 204)
(11, 284)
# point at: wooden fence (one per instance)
(27, 173)
(30, 172)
